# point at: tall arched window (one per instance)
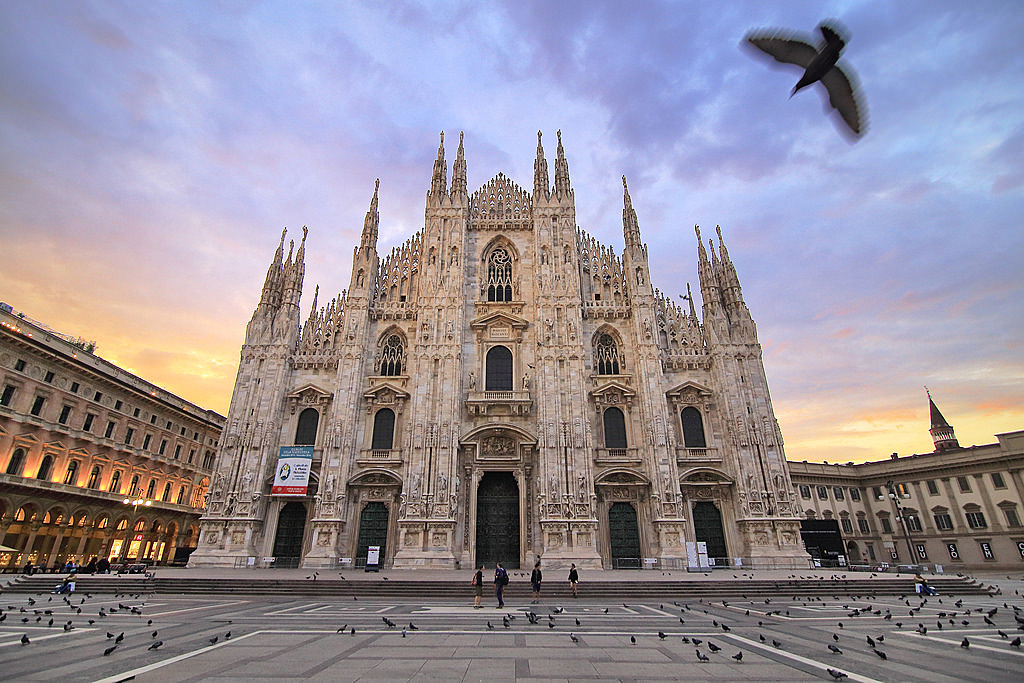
(392, 356)
(71, 476)
(305, 433)
(133, 488)
(383, 430)
(181, 495)
(606, 355)
(94, 477)
(614, 428)
(693, 428)
(151, 488)
(16, 462)
(499, 370)
(115, 482)
(45, 468)
(499, 276)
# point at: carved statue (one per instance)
(472, 381)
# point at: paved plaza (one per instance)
(227, 637)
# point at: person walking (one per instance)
(478, 588)
(535, 578)
(574, 578)
(500, 581)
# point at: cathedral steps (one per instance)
(685, 589)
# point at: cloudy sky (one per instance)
(150, 154)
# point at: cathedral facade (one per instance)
(499, 388)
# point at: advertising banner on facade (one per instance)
(292, 476)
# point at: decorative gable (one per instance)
(386, 394)
(688, 393)
(309, 395)
(501, 204)
(610, 393)
(499, 326)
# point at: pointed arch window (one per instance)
(383, 430)
(606, 354)
(16, 462)
(45, 468)
(499, 370)
(693, 428)
(305, 433)
(499, 275)
(614, 428)
(392, 356)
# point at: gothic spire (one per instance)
(271, 286)
(371, 222)
(439, 182)
(689, 297)
(630, 227)
(730, 281)
(541, 186)
(562, 187)
(459, 172)
(942, 433)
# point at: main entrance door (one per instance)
(373, 530)
(707, 527)
(624, 535)
(291, 525)
(497, 520)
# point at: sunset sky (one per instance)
(151, 152)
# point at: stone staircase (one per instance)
(693, 589)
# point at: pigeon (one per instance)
(156, 645)
(413, 627)
(835, 637)
(1015, 642)
(342, 629)
(26, 641)
(661, 635)
(776, 643)
(713, 647)
(632, 639)
(573, 638)
(738, 656)
(881, 655)
(834, 649)
(227, 636)
(403, 633)
(837, 675)
(213, 641)
(490, 627)
(965, 643)
(820, 63)
(120, 637)
(109, 650)
(701, 657)
(871, 642)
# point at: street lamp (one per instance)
(136, 502)
(895, 495)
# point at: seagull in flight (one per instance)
(820, 63)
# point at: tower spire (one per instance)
(371, 222)
(439, 181)
(459, 172)
(562, 186)
(541, 184)
(942, 433)
(630, 227)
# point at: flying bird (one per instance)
(820, 63)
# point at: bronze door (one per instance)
(497, 520)
(707, 527)
(624, 534)
(373, 530)
(291, 526)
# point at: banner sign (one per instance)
(292, 476)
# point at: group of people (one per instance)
(95, 566)
(501, 580)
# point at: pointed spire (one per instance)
(439, 182)
(541, 186)
(942, 433)
(562, 187)
(371, 222)
(312, 309)
(459, 188)
(689, 297)
(630, 227)
(729, 279)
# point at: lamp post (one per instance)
(895, 495)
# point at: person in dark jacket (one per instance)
(478, 588)
(500, 581)
(535, 578)
(574, 578)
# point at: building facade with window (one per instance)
(500, 387)
(94, 461)
(957, 507)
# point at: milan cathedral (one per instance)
(499, 388)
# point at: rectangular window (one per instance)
(943, 521)
(847, 525)
(997, 480)
(97, 396)
(128, 436)
(74, 387)
(177, 451)
(19, 365)
(65, 413)
(183, 431)
(823, 492)
(965, 486)
(49, 376)
(145, 442)
(878, 493)
(163, 446)
(168, 424)
(191, 454)
(862, 524)
(196, 436)
(152, 420)
(886, 525)
(976, 520)
(1011, 517)
(208, 460)
(5, 398)
(87, 425)
(933, 488)
(838, 492)
(805, 492)
(854, 494)
(118, 404)
(110, 430)
(902, 491)
(871, 551)
(913, 522)
(135, 413)
(37, 405)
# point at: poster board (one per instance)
(291, 478)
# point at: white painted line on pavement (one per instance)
(157, 665)
(193, 609)
(974, 645)
(293, 609)
(803, 660)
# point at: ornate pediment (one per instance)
(500, 201)
(689, 393)
(622, 477)
(499, 326)
(386, 394)
(309, 395)
(704, 476)
(611, 392)
(376, 477)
